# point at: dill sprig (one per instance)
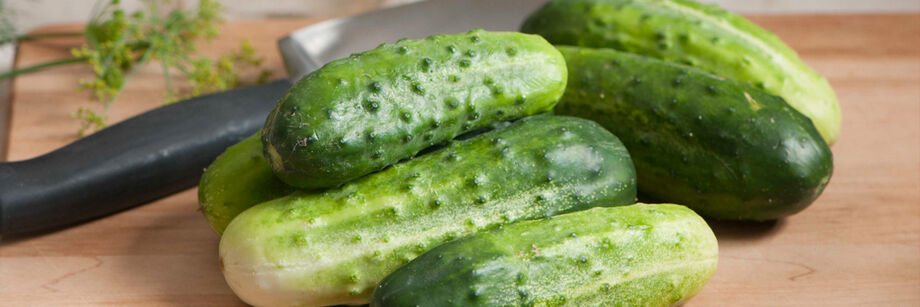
(7, 30)
(118, 43)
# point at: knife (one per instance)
(163, 151)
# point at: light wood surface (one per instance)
(858, 245)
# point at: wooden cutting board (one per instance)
(859, 244)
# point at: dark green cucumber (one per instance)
(704, 36)
(238, 179)
(639, 255)
(723, 148)
(333, 247)
(365, 112)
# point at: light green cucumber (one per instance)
(639, 255)
(360, 114)
(695, 34)
(238, 179)
(333, 247)
(241, 178)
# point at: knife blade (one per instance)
(307, 49)
(163, 151)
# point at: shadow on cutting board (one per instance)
(176, 262)
(745, 230)
(174, 258)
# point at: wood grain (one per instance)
(858, 245)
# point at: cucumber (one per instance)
(723, 148)
(333, 247)
(238, 179)
(639, 255)
(241, 178)
(360, 114)
(704, 36)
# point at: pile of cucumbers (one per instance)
(504, 169)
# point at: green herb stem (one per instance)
(35, 36)
(36, 67)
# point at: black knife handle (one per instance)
(138, 160)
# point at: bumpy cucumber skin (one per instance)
(365, 112)
(238, 179)
(241, 178)
(639, 255)
(704, 36)
(332, 248)
(721, 147)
